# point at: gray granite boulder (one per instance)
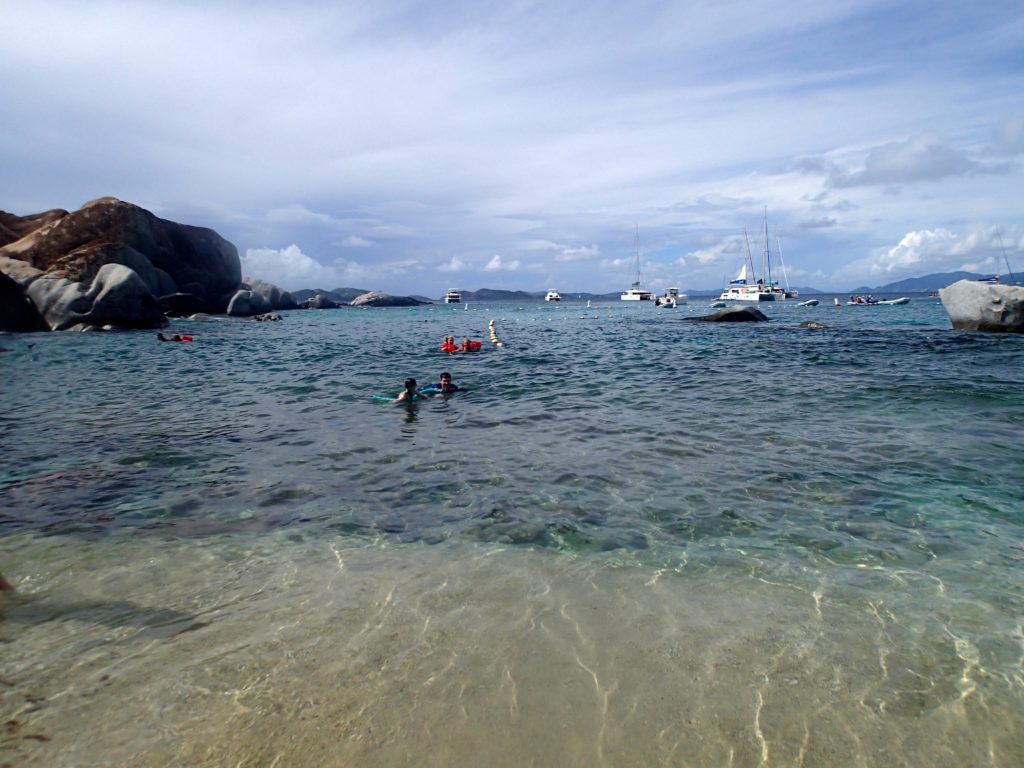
(977, 306)
(247, 303)
(381, 299)
(116, 297)
(734, 315)
(278, 298)
(320, 301)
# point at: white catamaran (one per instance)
(744, 288)
(636, 293)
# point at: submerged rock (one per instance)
(977, 306)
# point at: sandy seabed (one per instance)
(247, 652)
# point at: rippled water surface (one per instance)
(635, 540)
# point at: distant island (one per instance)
(926, 284)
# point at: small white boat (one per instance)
(552, 295)
(672, 299)
(871, 301)
(808, 303)
(453, 296)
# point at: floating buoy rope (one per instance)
(494, 335)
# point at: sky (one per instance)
(411, 147)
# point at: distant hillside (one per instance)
(492, 294)
(340, 295)
(925, 284)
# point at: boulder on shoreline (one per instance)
(115, 297)
(978, 306)
(61, 259)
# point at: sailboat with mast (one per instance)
(742, 288)
(745, 286)
(636, 293)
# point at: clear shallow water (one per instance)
(635, 540)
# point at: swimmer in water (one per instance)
(410, 394)
(444, 384)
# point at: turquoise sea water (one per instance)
(634, 540)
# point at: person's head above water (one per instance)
(446, 380)
(410, 384)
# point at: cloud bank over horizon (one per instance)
(411, 147)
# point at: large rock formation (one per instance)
(278, 298)
(116, 297)
(977, 306)
(381, 299)
(246, 303)
(58, 257)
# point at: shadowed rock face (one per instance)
(168, 257)
(17, 313)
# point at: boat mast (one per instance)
(636, 247)
(767, 253)
(750, 259)
(778, 248)
(1003, 248)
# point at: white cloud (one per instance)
(286, 267)
(926, 251)
(454, 265)
(581, 253)
(921, 158)
(354, 241)
(726, 251)
(496, 264)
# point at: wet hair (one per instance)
(410, 383)
(446, 375)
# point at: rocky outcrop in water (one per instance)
(381, 299)
(319, 301)
(977, 306)
(734, 315)
(278, 298)
(110, 262)
(256, 297)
